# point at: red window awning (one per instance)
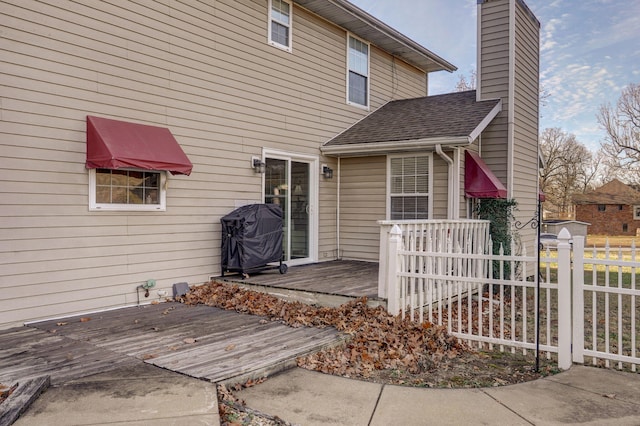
(479, 180)
(114, 144)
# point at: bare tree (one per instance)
(622, 125)
(595, 173)
(567, 169)
(465, 84)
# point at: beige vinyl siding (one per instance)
(328, 210)
(494, 83)
(363, 192)
(393, 79)
(526, 90)
(205, 71)
(515, 165)
(440, 196)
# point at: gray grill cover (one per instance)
(251, 237)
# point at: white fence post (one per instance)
(393, 292)
(578, 299)
(383, 260)
(564, 300)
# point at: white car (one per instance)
(550, 241)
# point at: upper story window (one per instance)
(636, 212)
(602, 207)
(358, 72)
(280, 24)
(127, 190)
(409, 187)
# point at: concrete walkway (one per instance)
(582, 395)
(139, 395)
(145, 394)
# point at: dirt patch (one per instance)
(381, 348)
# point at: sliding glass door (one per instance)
(289, 183)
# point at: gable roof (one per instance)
(415, 124)
(613, 192)
(362, 24)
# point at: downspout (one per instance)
(452, 192)
(338, 212)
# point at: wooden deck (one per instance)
(327, 283)
(198, 341)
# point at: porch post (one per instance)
(564, 300)
(393, 293)
(578, 299)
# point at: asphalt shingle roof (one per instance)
(449, 115)
(614, 192)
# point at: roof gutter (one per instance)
(404, 46)
(392, 33)
(381, 148)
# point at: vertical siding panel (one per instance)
(362, 204)
(440, 187)
(494, 83)
(526, 92)
(516, 164)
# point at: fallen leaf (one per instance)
(155, 302)
(61, 323)
(85, 319)
(148, 356)
(610, 395)
(189, 340)
(230, 347)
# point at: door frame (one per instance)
(314, 183)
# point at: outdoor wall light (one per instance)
(327, 172)
(258, 165)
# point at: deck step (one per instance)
(308, 297)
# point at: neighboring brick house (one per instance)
(612, 209)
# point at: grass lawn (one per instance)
(614, 241)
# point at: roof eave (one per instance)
(390, 147)
(486, 121)
(366, 26)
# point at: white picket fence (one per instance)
(492, 300)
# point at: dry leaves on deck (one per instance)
(378, 340)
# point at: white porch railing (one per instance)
(428, 236)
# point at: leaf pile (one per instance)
(378, 341)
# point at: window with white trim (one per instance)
(280, 24)
(409, 187)
(636, 212)
(358, 72)
(127, 190)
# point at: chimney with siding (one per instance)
(508, 69)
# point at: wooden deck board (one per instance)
(27, 353)
(340, 277)
(227, 344)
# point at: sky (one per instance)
(590, 50)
